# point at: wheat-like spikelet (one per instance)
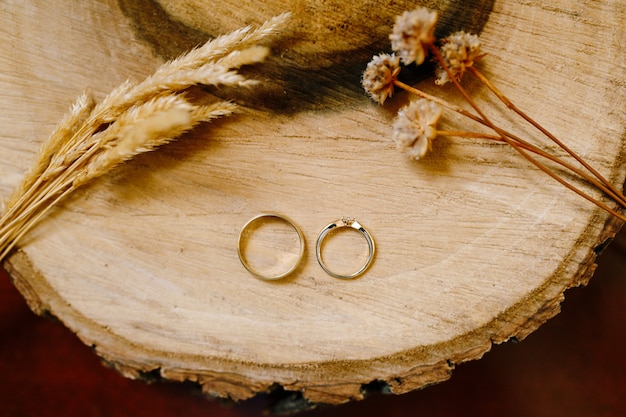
(134, 118)
(210, 53)
(223, 45)
(66, 127)
(144, 128)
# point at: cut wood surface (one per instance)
(474, 245)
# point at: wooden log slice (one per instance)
(474, 245)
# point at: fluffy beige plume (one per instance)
(134, 118)
(144, 128)
(66, 128)
(210, 53)
(223, 45)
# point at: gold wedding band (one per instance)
(242, 257)
(345, 222)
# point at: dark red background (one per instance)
(574, 365)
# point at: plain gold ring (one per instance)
(345, 222)
(242, 258)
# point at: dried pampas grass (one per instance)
(93, 137)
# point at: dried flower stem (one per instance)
(609, 191)
(467, 134)
(513, 143)
(615, 193)
(437, 100)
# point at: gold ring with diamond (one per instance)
(345, 222)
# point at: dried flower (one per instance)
(416, 126)
(459, 51)
(379, 76)
(412, 34)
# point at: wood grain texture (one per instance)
(474, 246)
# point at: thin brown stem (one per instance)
(524, 144)
(514, 144)
(507, 102)
(564, 164)
(438, 100)
(466, 134)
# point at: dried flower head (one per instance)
(416, 126)
(412, 34)
(459, 51)
(379, 76)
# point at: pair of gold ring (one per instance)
(344, 222)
